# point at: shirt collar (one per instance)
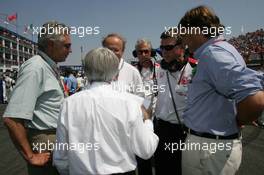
(199, 51)
(98, 84)
(48, 59)
(121, 64)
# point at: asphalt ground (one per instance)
(11, 162)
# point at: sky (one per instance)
(133, 19)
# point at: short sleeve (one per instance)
(24, 96)
(229, 76)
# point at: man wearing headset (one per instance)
(147, 68)
(174, 75)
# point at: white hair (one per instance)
(143, 41)
(100, 64)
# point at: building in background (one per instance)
(14, 50)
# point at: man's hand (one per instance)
(146, 115)
(18, 135)
(39, 159)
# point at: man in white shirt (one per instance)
(129, 77)
(106, 127)
(171, 102)
(148, 69)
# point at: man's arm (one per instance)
(18, 135)
(250, 108)
(143, 140)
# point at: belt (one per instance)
(212, 136)
(45, 131)
(163, 122)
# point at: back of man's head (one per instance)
(202, 17)
(101, 65)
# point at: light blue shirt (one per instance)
(72, 83)
(37, 95)
(221, 81)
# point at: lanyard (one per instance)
(54, 69)
(173, 101)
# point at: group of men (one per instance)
(201, 105)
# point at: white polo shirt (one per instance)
(179, 81)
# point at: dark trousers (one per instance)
(168, 160)
(127, 173)
(144, 167)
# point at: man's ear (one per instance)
(50, 48)
(50, 44)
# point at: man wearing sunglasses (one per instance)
(33, 110)
(174, 75)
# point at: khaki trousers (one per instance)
(42, 141)
(203, 156)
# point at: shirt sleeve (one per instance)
(25, 93)
(138, 83)
(229, 75)
(60, 154)
(143, 140)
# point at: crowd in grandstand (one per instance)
(250, 44)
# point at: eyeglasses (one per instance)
(167, 47)
(67, 46)
(143, 51)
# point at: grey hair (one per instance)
(51, 31)
(100, 64)
(142, 41)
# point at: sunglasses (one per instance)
(167, 47)
(143, 51)
(67, 46)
